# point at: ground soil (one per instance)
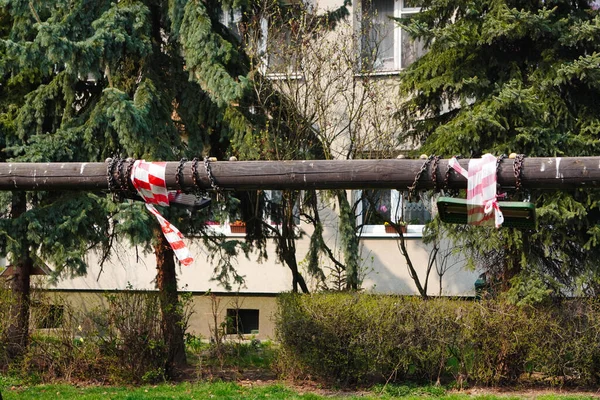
(261, 377)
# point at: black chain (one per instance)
(120, 173)
(413, 188)
(498, 164)
(447, 177)
(434, 168)
(211, 178)
(195, 177)
(518, 168)
(112, 184)
(179, 174)
(128, 175)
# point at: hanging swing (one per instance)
(481, 206)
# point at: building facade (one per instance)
(345, 81)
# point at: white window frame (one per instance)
(399, 12)
(396, 201)
(231, 17)
(224, 228)
(266, 58)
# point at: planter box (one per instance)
(391, 229)
(237, 228)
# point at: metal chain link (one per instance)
(112, 184)
(413, 188)
(447, 177)
(434, 168)
(518, 169)
(128, 175)
(499, 160)
(121, 175)
(179, 174)
(195, 178)
(211, 178)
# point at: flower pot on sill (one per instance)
(391, 229)
(237, 228)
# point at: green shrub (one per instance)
(361, 338)
(121, 343)
(7, 302)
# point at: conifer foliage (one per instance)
(506, 76)
(86, 80)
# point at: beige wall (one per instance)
(383, 267)
(201, 322)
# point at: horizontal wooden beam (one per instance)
(536, 173)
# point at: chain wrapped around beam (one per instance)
(434, 169)
(412, 189)
(179, 175)
(110, 177)
(518, 169)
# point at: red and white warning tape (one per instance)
(148, 178)
(482, 200)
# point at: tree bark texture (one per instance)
(172, 318)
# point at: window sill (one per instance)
(378, 231)
(382, 73)
(282, 76)
(226, 230)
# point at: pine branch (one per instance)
(35, 14)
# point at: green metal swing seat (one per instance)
(516, 214)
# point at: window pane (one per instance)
(283, 42)
(231, 18)
(242, 321)
(274, 207)
(376, 206)
(378, 34)
(412, 49)
(415, 213)
(412, 3)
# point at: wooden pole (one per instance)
(537, 173)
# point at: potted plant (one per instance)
(237, 226)
(390, 227)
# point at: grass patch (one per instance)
(233, 391)
(242, 355)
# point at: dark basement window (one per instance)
(242, 321)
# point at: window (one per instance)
(384, 45)
(242, 321)
(277, 39)
(231, 18)
(273, 213)
(375, 207)
(282, 49)
(227, 218)
(274, 206)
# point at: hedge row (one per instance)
(361, 338)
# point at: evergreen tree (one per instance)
(84, 81)
(518, 76)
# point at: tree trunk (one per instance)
(297, 278)
(349, 240)
(172, 318)
(17, 335)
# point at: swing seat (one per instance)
(516, 214)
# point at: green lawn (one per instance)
(227, 390)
